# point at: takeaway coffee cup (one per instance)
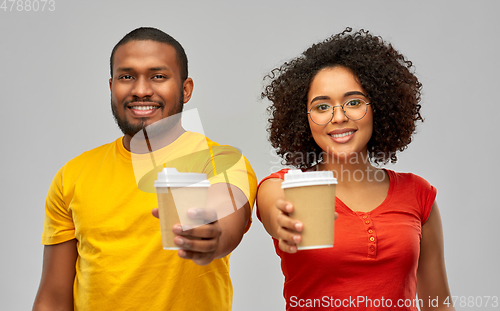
(312, 195)
(176, 193)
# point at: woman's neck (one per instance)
(351, 171)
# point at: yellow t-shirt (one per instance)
(121, 265)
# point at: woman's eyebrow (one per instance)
(320, 98)
(323, 97)
(354, 93)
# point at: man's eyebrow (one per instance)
(128, 69)
(159, 68)
(124, 69)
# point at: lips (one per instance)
(142, 108)
(342, 136)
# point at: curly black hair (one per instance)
(386, 75)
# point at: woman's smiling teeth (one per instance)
(342, 135)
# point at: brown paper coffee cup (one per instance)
(312, 195)
(176, 193)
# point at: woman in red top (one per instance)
(346, 105)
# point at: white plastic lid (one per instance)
(297, 178)
(170, 177)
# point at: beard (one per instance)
(131, 129)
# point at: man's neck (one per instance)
(160, 141)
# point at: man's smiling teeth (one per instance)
(342, 135)
(144, 107)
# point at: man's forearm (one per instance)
(233, 228)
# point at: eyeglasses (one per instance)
(354, 109)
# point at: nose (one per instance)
(142, 88)
(338, 115)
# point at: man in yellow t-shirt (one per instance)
(102, 245)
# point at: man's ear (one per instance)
(187, 89)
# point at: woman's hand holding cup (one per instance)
(289, 230)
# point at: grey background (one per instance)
(54, 70)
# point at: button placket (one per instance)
(371, 234)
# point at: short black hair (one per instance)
(154, 34)
(383, 72)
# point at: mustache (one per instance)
(143, 100)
